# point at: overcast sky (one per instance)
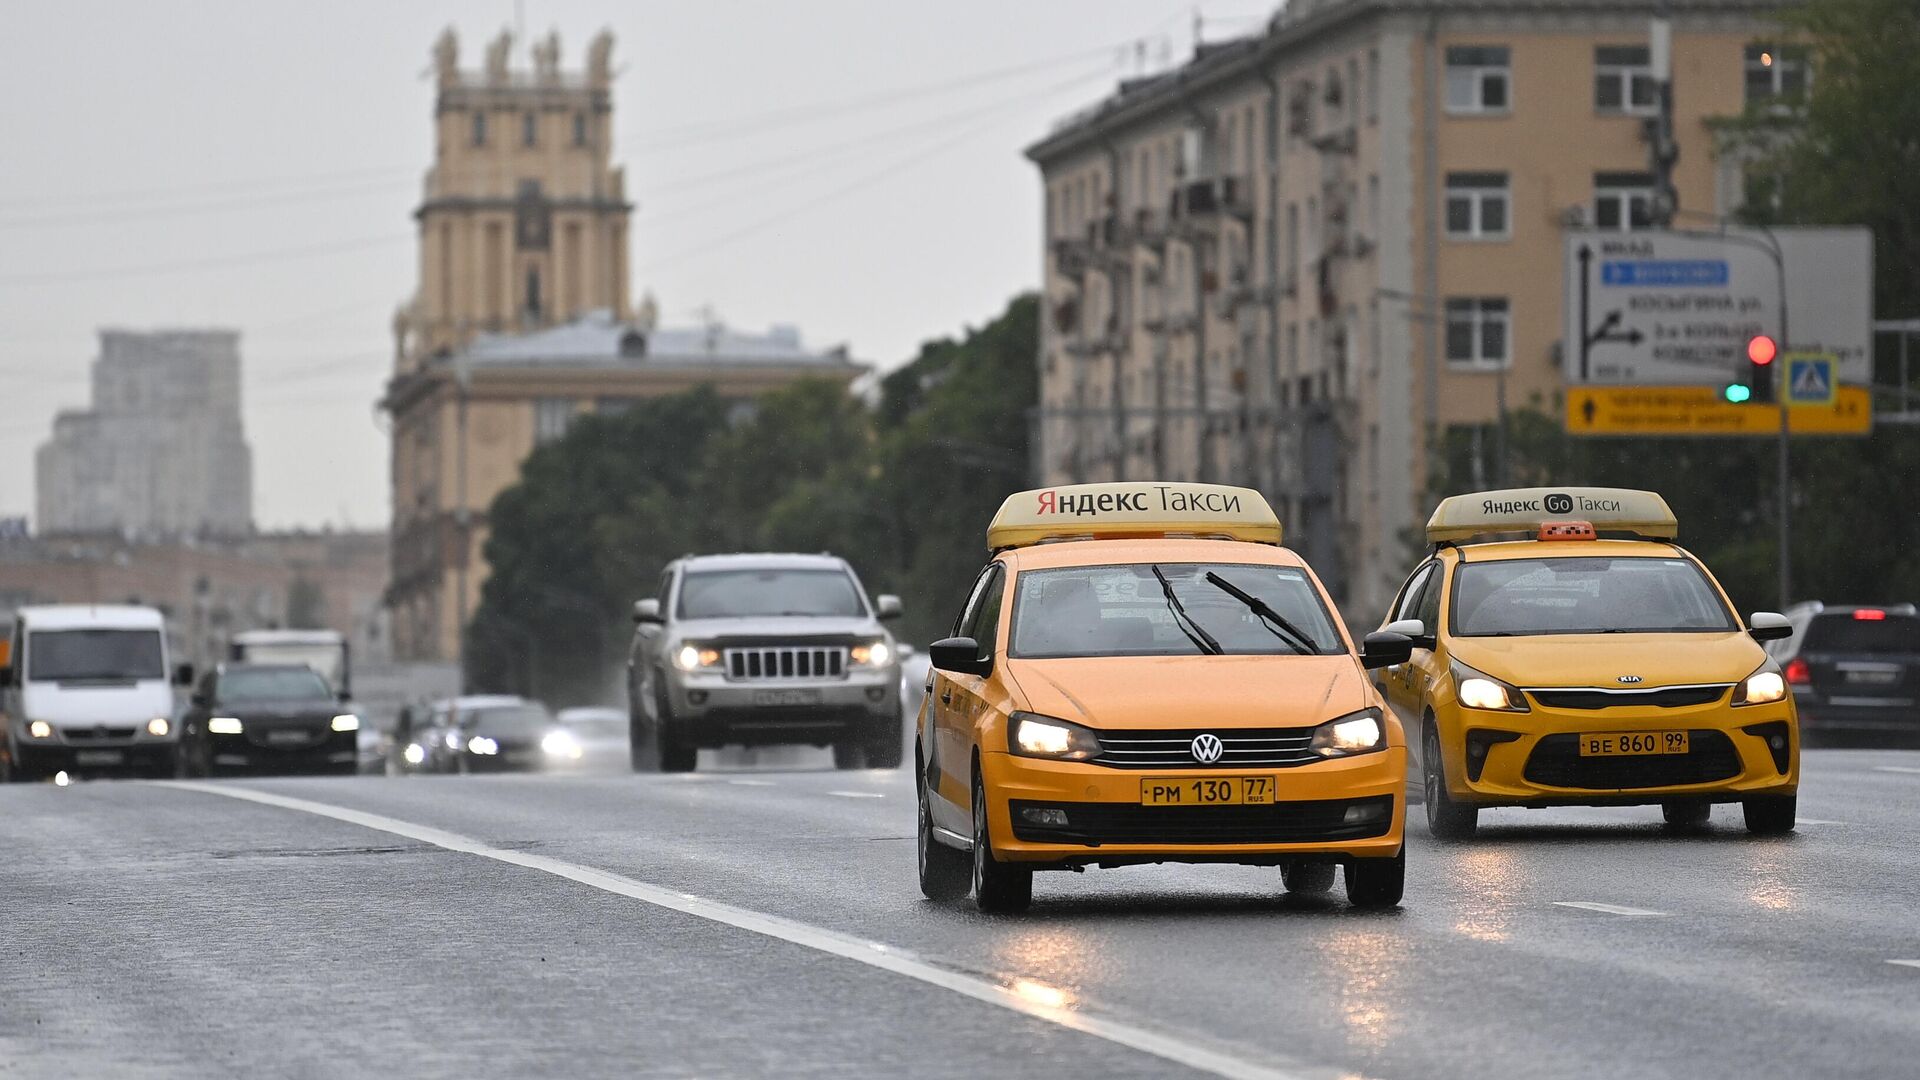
(850, 167)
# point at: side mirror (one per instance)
(1413, 630)
(886, 606)
(647, 612)
(1769, 626)
(1385, 648)
(183, 675)
(960, 655)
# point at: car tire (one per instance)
(657, 750)
(1446, 819)
(1770, 815)
(848, 754)
(1377, 883)
(1308, 878)
(7, 770)
(997, 886)
(945, 873)
(1686, 813)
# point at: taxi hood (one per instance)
(1121, 692)
(1604, 660)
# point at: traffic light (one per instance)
(1737, 393)
(1761, 351)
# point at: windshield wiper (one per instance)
(1198, 635)
(1271, 619)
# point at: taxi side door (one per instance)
(944, 720)
(1400, 682)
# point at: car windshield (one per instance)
(1585, 596)
(95, 655)
(273, 684)
(1123, 610)
(509, 720)
(723, 594)
(1853, 633)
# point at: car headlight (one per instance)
(159, 726)
(346, 722)
(414, 753)
(1354, 733)
(872, 654)
(40, 729)
(453, 740)
(1033, 735)
(483, 746)
(224, 725)
(691, 657)
(560, 744)
(1478, 690)
(1763, 687)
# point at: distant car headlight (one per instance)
(224, 725)
(346, 722)
(871, 654)
(1033, 735)
(1477, 690)
(40, 729)
(414, 753)
(561, 744)
(1763, 687)
(158, 727)
(1354, 733)
(692, 657)
(482, 745)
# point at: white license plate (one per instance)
(786, 697)
(1858, 677)
(286, 738)
(99, 757)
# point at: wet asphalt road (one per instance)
(472, 928)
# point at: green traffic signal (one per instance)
(1737, 393)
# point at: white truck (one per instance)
(325, 651)
(88, 687)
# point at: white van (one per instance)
(86, 688)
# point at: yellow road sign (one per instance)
(1699, 410)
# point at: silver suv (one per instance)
(756, 650)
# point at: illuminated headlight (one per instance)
(414, 753)
(1763, 687)
(346, 722)
(482, 745)
(158, 727)
(453, 740)
(871, 654)
(1476, 690)
(224, 725)
(561, 744)
(1033, 735)
(1354, 733)
(40, 729)
(694, 658)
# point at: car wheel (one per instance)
(1770, 815)
(1307, 878)
(662, 751)
(945, 873)
(1377, 883)
(6, 762)
(849, 755)
(1686, 813)
(1446, 819)
(997, 886)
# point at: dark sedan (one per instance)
(1855, 672)
(521, 736)
(267, 718)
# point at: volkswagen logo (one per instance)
(1629, 678)
(1559, 503)
(1207, 749)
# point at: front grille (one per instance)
(91, 734)
(1556, 762)
(1676, 697)
(1265, 748)
(1295, 822)
(787, 662)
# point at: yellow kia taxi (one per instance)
(1568, 652)
(1142, 674)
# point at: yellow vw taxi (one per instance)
(1568, 652)
(1142, 674)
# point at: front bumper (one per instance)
(92, 746)
(712, 710)
(328, 751)
(1534, 759)
(1107, 825)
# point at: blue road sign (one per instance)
(1811, 379)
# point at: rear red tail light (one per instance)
(1797, 672)
(1869, 614)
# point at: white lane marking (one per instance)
(1818, 821)
(1897, 768)
(751, 783)
(1906, 963)
(1013, 996)
(857, 794)
(1605, 909)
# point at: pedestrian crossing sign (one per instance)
(1810, 379)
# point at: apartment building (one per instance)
(1307, 259)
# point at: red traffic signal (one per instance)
(1761, 350)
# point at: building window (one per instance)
(1477, 204)
(1622, 201)
(1354, 91)
(529, 129)
(479, 128)
(1477, 332)
(1478, 78)
(579, 129)
(551, 418)
(1623, 79)
(1776, 74)
(533, 293)
(1373, 86)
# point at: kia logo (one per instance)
(1207, 749)
(1629, 678)
(1558, 503)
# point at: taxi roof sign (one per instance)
(1525, 510)
(1138, 509)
